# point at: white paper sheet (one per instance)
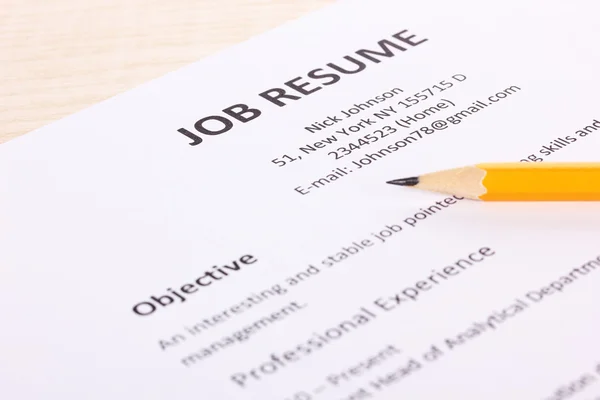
(271, 260)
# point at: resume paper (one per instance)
(226, 232)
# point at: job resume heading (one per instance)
(296, 88)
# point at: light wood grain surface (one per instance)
(60, 56)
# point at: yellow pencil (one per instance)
(514, 181)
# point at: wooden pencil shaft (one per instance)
(541, 182)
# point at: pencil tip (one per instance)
(412, 181)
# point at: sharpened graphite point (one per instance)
(412, 181)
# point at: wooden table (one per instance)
(60, 56)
